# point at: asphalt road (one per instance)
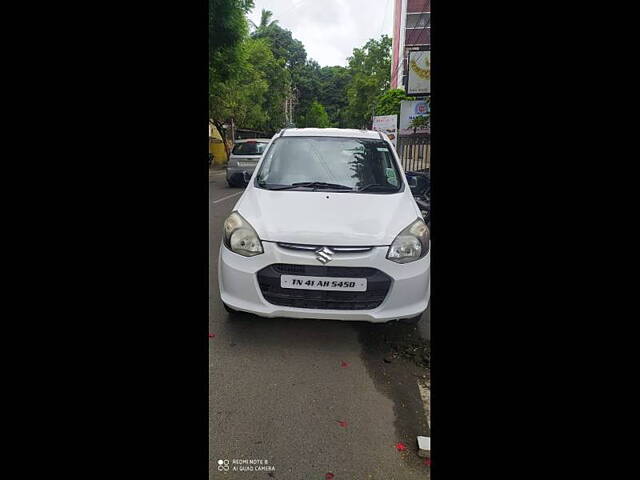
(278, 389)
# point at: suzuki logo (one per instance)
(324, 255)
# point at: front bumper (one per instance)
(408, 295)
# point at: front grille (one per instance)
(378, 284)
(297, 246)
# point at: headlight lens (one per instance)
(411, 244)
(240, 237)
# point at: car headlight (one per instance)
(411, 244)
(240, 237)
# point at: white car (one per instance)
(327, 228)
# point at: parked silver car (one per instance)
(244, 158)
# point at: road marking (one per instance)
(219, 173)
(228, 196)
(425, 395)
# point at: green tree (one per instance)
(242, 97)
(306, 79)
(248, 83)
(370, 68)
(283, 45)
(227, 28)
(316, 116)
(332, 93)
(389, 102)
(304, 73)
(279, 80)
(265, 21)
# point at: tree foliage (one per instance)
(389, 102)
(247, 84)
(227, 28)
(370, 76)
(254, 94)
(251, 76)
(283, 45)
(265, 21)
(333, 85)
(316, 116)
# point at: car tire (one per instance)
(412, 320)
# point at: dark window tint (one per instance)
(249, 148)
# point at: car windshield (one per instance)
(249, 148)
(329, 163)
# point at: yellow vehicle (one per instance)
(216, 146)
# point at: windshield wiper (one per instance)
(378, 185)
(321, 184)
(309, 185)
(272, 186)
(268, 186)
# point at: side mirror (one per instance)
(246, 176)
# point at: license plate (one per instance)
(246, 164)
(323, 283)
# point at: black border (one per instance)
(122, 390)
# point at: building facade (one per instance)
(411, 31)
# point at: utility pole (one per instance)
(294, 101)
(287, 107)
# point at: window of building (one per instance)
(418, 36)
(418, 6)
(418, 20)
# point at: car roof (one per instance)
(244, 140)
(330, 132)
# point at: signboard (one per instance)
(419, 73)
(410, 109)
(387, 124)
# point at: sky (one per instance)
(330, 29)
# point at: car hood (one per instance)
(327, 218)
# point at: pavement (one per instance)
(300, 399)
